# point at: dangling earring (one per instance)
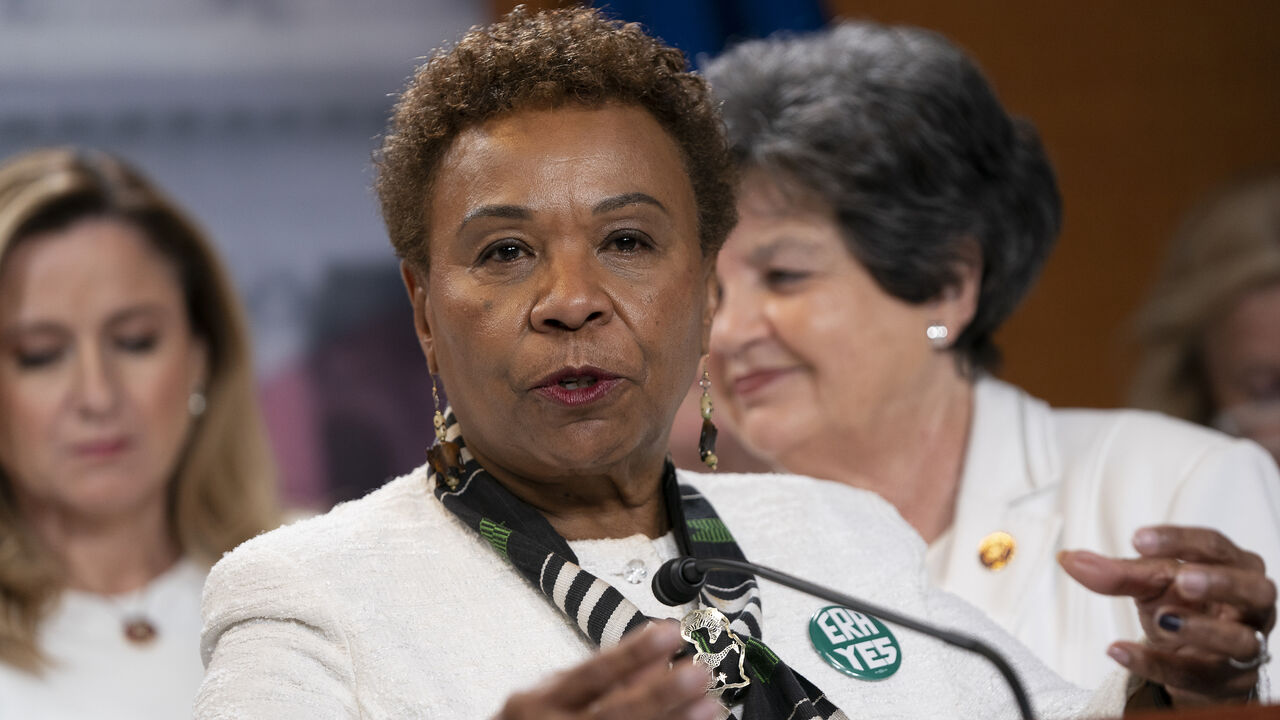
(937, 334)
(707, 439)
(444, 455)
(196, 403)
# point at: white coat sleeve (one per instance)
(270, 646)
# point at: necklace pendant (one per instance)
(139, 631)
(702, 629)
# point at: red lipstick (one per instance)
(575, 387)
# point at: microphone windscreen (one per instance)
(672, 584)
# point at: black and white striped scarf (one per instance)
(525, 538)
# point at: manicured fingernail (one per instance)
(1120, 655)
(1170, 622)
(1192, 584)
(1146, 540)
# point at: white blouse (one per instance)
(628, 564)
(96, 672)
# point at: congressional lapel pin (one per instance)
(857, 645)
(996, 550)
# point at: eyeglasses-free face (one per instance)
(97, 365)
(567, 300)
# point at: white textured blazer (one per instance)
(1088, 479)
(389, 607)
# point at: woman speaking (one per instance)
(558, 187)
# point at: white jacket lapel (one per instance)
(1009, 480)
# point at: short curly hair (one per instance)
(544, 60)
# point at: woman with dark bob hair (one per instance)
(892, 216)
(132, 455)
(558, 186)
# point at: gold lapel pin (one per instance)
(996, 550)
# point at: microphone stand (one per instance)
(964, 642)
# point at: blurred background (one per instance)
(260, 116)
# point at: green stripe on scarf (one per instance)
(762, 659)
(496, 534)
(709, 530)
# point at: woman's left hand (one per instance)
(1202, 602)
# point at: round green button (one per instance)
(857, 645)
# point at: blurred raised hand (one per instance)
(634, 680)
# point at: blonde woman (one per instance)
(1210, 334)
(131, 451)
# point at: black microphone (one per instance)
(678, 582)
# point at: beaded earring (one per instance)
(707, 438)
(444, 456)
